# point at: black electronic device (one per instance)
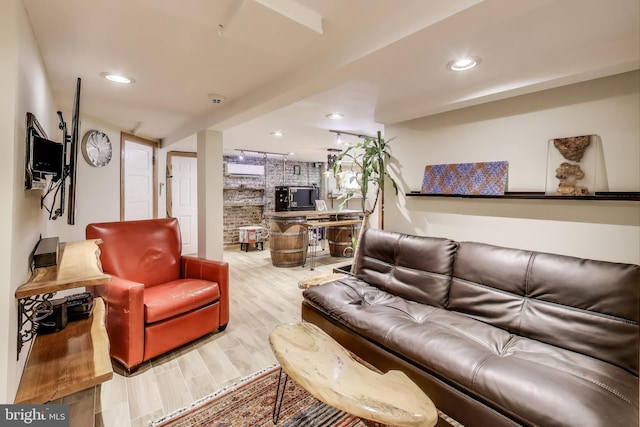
(56, 320)
(48, 164)
(296, 198)
(47, 252)
(79, 306)
(47, 157)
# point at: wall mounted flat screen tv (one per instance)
(47, 156)
(48, 164)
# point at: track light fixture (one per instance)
(340, 133)
(244, 151)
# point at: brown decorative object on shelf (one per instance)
(572, 148)
(569, 174)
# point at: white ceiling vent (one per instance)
(239, 169)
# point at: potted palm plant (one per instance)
(370, 158)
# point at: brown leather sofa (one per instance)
(495, 336)
(157, 299)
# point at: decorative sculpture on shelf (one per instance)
(569, 174)
(572, 149)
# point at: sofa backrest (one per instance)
(413, 267)
(591, 307)
(144, 251)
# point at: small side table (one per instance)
(330, 374)
(252, 234)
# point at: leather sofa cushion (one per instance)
(417, 268)
(587, 306)
(544, 384)
(178, 297)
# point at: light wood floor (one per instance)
(261, 295)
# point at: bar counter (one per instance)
(289, 234)
(311, 215)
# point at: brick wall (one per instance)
(246, 199)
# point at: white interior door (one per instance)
(184, 197)
(139, 179)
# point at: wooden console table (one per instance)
(68, 361)
(77, 357)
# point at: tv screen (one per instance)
(47, 156)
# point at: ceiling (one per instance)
(285, 64)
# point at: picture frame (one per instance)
(296, 169)
(321, 205)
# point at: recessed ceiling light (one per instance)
(277, 133)
(463, 64)
(335, 116)
(118, 78)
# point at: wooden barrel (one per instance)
(288, 241)
(340, 238)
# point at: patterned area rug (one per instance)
(250, 403)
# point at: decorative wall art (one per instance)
(484, 178)
(572, 166)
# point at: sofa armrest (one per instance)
(214, 271)
(124, 301)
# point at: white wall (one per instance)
(97, 189)
(25, 88)
(517, 130)
(210, 198)
(8, 70)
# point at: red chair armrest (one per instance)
(214, 271)
(124, 301)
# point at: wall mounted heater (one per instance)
(244, 170)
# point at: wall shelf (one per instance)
(243, 188)
(535, 195)
(240, 205)
(68, 361)
(77, 357)
(79, 266)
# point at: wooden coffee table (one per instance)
(330, 374)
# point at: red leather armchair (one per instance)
(157, 299)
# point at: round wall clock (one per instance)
(96, 148)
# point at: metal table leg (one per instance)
(277, 404)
